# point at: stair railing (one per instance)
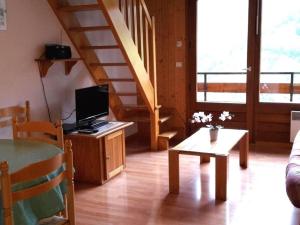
(142, 28)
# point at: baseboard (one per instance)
(271, 147)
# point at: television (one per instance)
(91, 104)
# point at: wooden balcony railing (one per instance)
(290, 88)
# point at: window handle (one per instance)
(249, 69)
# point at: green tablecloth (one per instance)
(20, 154)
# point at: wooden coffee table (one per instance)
(199, 144)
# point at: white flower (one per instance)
(222, 117)
(195, 115)
(225, 113)
(201, 114)
(209, 117)
(200, 117)
(197, 119)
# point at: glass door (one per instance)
(222, 32)
(280, 52)
(278, 74)
(222, 70)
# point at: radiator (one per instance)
(295, 124)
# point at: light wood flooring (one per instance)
(139, 196)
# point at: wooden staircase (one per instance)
(130, 32)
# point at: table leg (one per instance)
(221, 177)
(173, 172)
(204, 159)
(244, 150)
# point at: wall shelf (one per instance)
(45, 64)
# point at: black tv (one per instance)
(91, 104)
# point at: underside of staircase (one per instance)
(116, 40)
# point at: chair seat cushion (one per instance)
(54, 220)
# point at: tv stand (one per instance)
(99, 156)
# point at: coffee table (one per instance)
(199, 145)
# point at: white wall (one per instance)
(30, 25)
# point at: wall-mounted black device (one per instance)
(55, 51)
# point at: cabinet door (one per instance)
(115, 153)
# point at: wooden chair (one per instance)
(33, 172)
(21, 113)
(39, 131)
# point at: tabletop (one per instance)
(200, 142)
(18, 154)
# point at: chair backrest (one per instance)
(21, 113)
(40, 131)
(35, 171)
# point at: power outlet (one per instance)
(178, 44)
(179, 64)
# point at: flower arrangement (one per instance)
(200, 117)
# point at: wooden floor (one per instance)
(139, 196)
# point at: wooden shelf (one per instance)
(45, 64)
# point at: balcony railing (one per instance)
(287, 87)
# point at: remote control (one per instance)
(87, 131)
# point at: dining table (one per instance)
(19, 154)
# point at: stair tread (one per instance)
(84, 7)
(118, 80)
(108, 64)
(164, 119)
(127, 93)
(168, 134)
(135, 107)
(169, 111)
(143, 119)
(146, 119)
(129, 107)
(90, 28)
(100, 47)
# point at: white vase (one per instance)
(213, 132)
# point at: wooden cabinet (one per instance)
(98, 157)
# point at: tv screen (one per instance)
(91, 103)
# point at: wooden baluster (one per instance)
(154, 117)
(135, 23)
(126, 12)
(153, 60)
(141, 31)
(122, 8)
(147, 46)
(129, 13)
